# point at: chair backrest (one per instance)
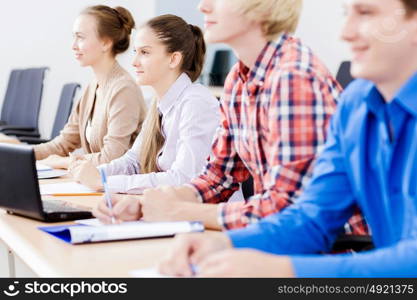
(220, 67)
(343, 75)
(247, 187)
(23, 101)
(11, 92)
(64, 107)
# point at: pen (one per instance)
(194, 269)
(76, 194)
(107, 196)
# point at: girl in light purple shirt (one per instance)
(175, 141)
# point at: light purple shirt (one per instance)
(190, 117)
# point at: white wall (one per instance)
(320, 26)
(39, 33)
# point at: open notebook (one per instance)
(154, 273)
(45, 172)
(66, 188)
(81, 233)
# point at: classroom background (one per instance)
(39, 33)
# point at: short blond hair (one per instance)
(276, 16)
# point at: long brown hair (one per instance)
(177, 36)
(115, 24)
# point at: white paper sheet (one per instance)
(130, 230)
(51, 173)
(40, 167)
(90, 222)
(64, 188)
(148, 273)
(153, 273)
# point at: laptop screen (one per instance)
(19, 188)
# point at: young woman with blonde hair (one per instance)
(176, 138)
(108, 117)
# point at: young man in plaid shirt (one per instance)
(276, 105)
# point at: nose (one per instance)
(74, 45)
(205, 6)
(135, 62)
(349, 29)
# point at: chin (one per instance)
(140, 81)
(358, 71)
(83, 64)
(211, 38)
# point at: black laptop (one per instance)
(19, 188)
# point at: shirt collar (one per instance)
(406, 97)
(257, 74)
(173, 93)
(374, 100)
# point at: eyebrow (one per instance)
(143, 47)
(364, 5)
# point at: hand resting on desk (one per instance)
(215, 257)
(84, 172)
(56, 161)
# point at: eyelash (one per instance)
(364, 12)
(143, 52)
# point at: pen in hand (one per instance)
(107, 196)
(194, 270)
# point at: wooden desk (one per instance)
(48, 256)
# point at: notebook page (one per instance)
(64, 188)
(130, 230)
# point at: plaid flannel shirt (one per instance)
(273, 123)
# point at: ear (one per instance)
(106, 45)
(176, 59)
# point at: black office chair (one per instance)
(12, 88)
(22, 101)
(357, 243)
(247, 188)
(344, 242)
(66, 101)
(343, 75)
(220, 67)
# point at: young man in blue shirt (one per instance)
(370, 160)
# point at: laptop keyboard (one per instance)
(57, 206)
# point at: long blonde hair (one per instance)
(176, 35)
(152, 140)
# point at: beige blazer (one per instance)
(119, 111)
